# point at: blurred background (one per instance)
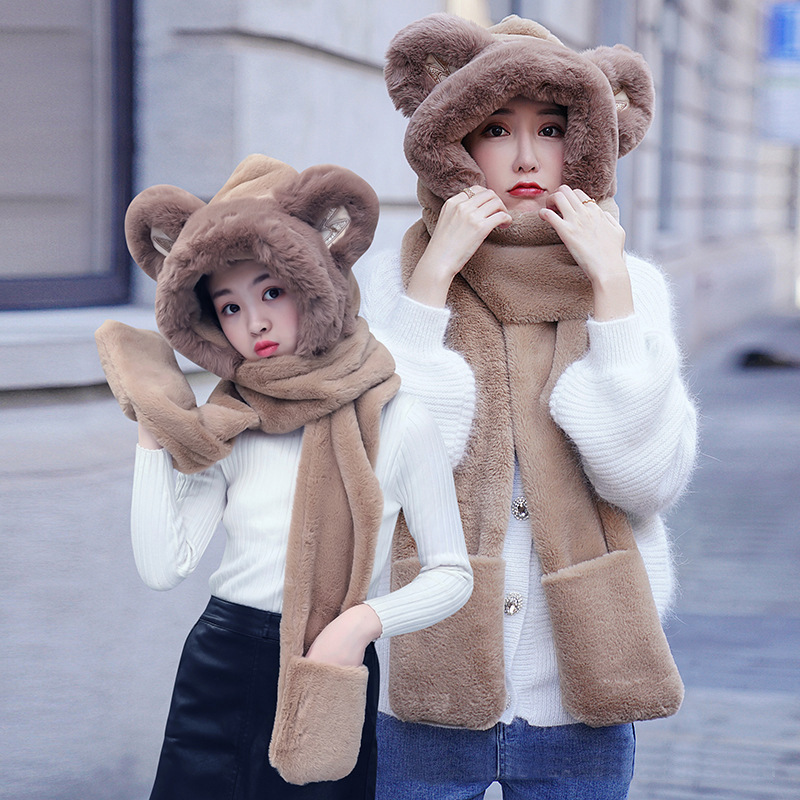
(102, 98)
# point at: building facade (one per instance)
(115, 96)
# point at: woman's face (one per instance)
(257, 313)
(520, 150)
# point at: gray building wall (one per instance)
(302, 81)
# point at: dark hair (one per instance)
(207, 310)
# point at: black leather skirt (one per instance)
(223, 708)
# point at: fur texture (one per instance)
(146, 380)
(308, 229)
(614, 663)
(317, 734)
(520, 306)
(476, 70)
(329, 561)
(267, 212)
(465, 692)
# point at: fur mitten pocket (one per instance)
(319, 721)
(141, 368)
(425, 665)
(148, 383)
(614, 661)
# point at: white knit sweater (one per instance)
(624, 406)
(251, 492)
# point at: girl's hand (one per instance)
(344, 640)
(466, 219)
(597, 243)
(147, 440)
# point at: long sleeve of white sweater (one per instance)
(174, 516)
(414, 333)
(623, 404)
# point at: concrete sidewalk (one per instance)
(88, 675)
(736, 633)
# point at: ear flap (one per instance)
(632, 84)
(342, 206)
(154, 221)
(334, 225)
(426, 52)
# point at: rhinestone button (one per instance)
(519, 508)
(513, 603)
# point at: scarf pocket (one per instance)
(426, 666)
(319, 721)
(614, 661)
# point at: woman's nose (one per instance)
(260, 325)
(526, 160)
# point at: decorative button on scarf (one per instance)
(512, 604)
(519, 508)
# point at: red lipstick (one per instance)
(265, 348)
(525, 189)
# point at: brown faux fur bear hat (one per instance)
(448, 74)
(307, 228)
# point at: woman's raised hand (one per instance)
(597, 243)
(466, 219)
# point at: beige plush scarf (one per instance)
(337, 398)
(519, 312)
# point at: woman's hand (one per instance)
(597, 243)
(147, 440)
(344, 640)
(466, 219)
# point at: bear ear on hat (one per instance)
(632, 83)
(339, 204)
(154, 221)
(428, 51)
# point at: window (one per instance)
(65, 176)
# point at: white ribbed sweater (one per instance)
(623, 404)
(174, 516)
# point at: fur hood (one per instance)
(308, 228)
(448, 74)
(519, 309)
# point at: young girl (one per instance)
(546, 354)
(306, 453)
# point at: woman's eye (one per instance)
(273, 293)
(228, 309)
(552, 131)
(495, 130)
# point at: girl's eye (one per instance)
(273, 293)
(552, 131)
(494, 130)
(228, 309)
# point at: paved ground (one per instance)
(88, 673)
(736, 635)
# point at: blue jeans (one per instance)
(566, 762)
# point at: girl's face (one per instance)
(257, 313)
(520, 150)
